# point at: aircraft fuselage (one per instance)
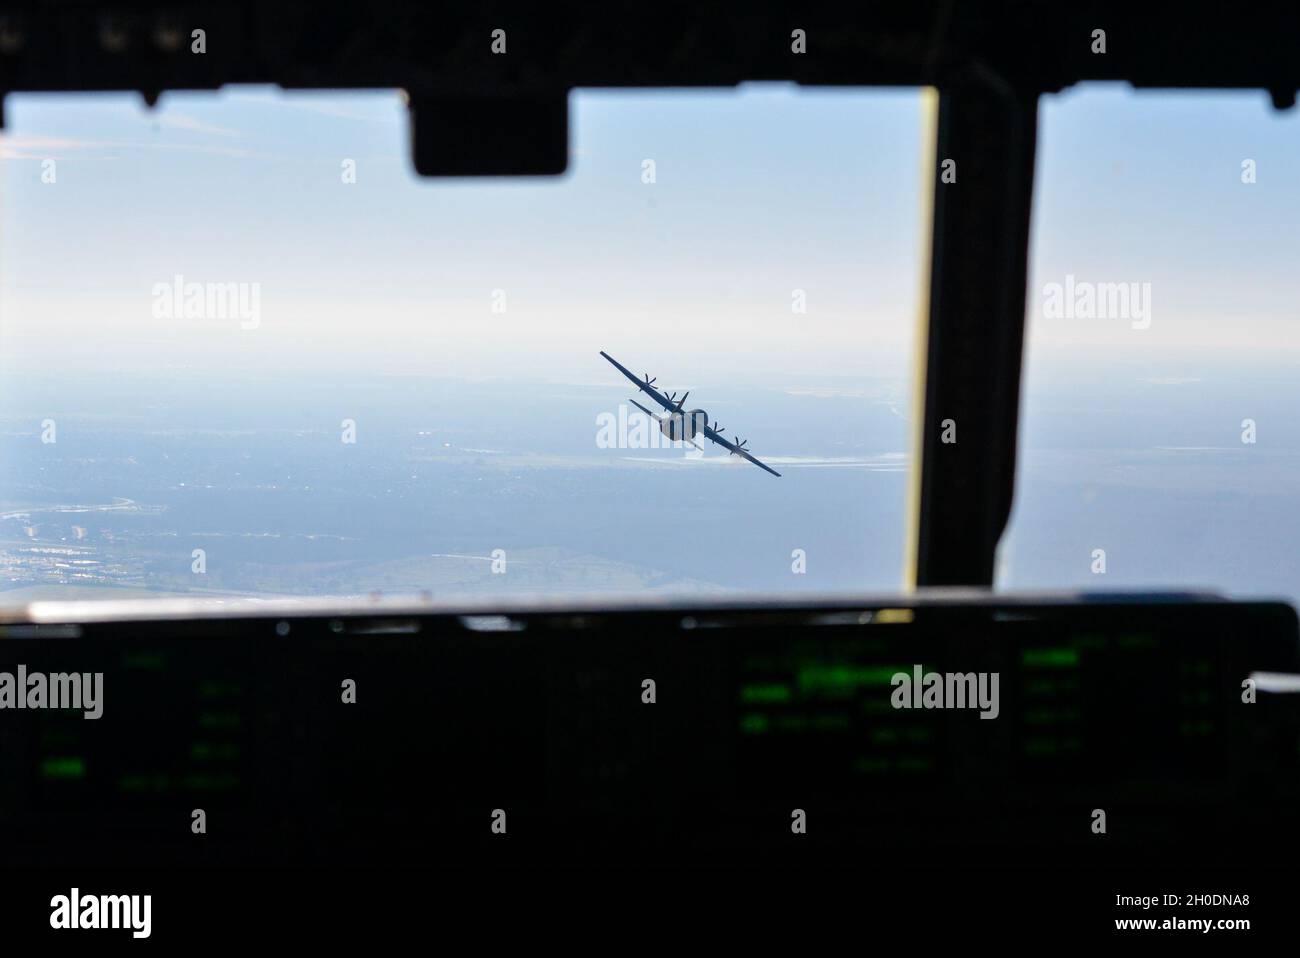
(683, 425)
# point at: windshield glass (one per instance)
(246, 351)
(1159, 445)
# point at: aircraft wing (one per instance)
(712, 434)
(641, 384)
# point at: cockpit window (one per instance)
(1159, 442)
(247, 352)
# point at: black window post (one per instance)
(976, 318)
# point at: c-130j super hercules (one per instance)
(683, 424)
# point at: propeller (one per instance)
(716, 428)
(649, 381)
(683, 399)
(672, 397)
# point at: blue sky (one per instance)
(1146, 187)
(758, 192)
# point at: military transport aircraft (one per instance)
(684, 424)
